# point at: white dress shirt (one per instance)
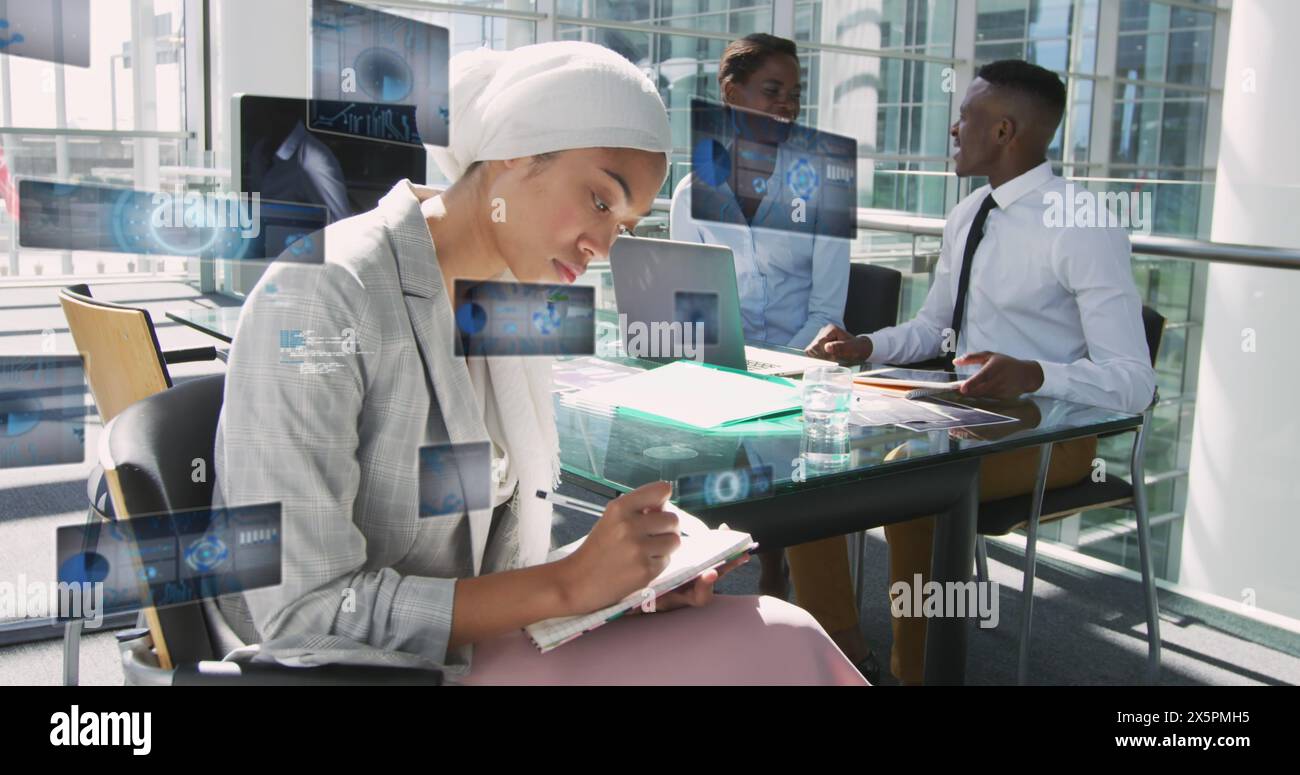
(791, 282)
(1062, 296)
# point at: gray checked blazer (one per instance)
(332, 435)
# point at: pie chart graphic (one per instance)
(84, 568)
(471, 318)
(711, 162)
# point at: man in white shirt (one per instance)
(1043, 309)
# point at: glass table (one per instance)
(218, 322)
(891, 475)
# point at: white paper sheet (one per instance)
(689, 393)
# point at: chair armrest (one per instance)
(259, 674)
(140, 668)
(1146, 419)
(190, 355)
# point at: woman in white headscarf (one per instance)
(555, 150)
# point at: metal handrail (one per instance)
(1145, 244)
(37, 131)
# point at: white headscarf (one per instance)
(532, 100)
(548, 97)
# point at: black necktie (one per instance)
(963, 284)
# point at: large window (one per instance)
(897, 107)
(122, 120)
(1142, 100)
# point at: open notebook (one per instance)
(698, 552)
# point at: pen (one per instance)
(691, 524)
(572, 503)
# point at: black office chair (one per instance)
(872, 303)
(1002, 516)
(147, 459)
(874, 297)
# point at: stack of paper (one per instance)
(696, 394)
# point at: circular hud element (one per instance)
(384, 75)
(134, 230)
(206, 554)
(802, 179)
(671, 452)
(726, 486)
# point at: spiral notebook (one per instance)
(698, 552)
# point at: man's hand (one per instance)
(1001, 376)
(834, 343)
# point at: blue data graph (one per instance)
(806, 178)
(174, 558)
(503, 318)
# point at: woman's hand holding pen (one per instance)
(629, 546)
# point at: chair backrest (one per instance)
(872, 303)
(1153, 323)
(148, 459)
(120, 349)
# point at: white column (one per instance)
(258, 47)
(144, 101)
(1242, 533)
(8, 143)
(62, 163)
(783, 18)
(963, 50)
(545, 30)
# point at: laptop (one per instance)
(680, 300)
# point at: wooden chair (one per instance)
(119, 345)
